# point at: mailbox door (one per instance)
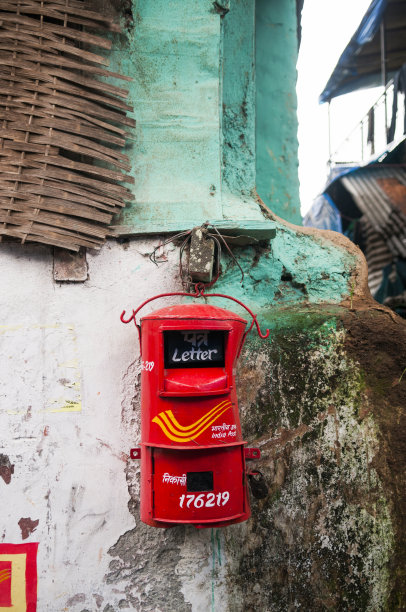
(196, 361)
(207, 369)
(199, 486)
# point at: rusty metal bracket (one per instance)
(252, 453)
(135, 453)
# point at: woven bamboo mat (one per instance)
(62, 129)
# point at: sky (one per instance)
(327, 26)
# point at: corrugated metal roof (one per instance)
(376, 253)
(387, 220)
(360, 63)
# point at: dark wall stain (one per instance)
(287, 279)
(311, 398)
(98, 599)
(221, 8)
(6, 468)
(128, 14)
(117, 9)
(145, 558)
(27, 526)
(78, 598)
(377, 340)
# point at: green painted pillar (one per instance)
(276, 131)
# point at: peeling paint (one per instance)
(27, 526)
(6, 469)
(201, 76)
(78, 598)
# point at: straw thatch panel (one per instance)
(61, 128)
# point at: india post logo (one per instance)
(18, 577)
(181, 433)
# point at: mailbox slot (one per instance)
(199, 481)
(198, 348)
(196, 362)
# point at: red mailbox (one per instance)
(192, 451)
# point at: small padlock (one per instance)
(258, 485)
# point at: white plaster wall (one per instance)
(68, 377)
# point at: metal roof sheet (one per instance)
(360, 63)
(375, 202)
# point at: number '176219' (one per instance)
(206, 500)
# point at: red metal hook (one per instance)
(199, 292)
(132, 318)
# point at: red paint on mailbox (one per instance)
(192, 451)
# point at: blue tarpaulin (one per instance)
(346, 76)
(324, 215)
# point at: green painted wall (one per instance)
(193, 151)
(276, 135)
(171, 49)
(238, 95)
(292, 268)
